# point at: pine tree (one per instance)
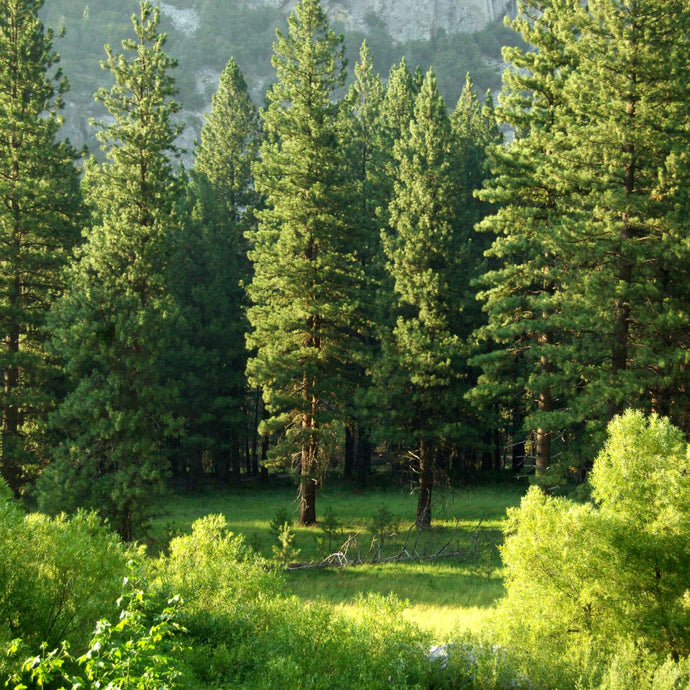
(418, 374)
(630, 105)
(228, 148)
(592, 192)
(475, 131)
(522, 290)
(361, 124)
(113, 324)
(39, 226)
(306, 276)
(396, 115)
(397, 111)
(210, 272)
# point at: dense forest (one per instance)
(358, 278)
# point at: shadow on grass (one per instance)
(438, 583)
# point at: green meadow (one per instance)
(444, 595)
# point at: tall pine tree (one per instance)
(475, 131)
(421, 356)
(39, 226)
(361, 132)
(112, 326)
(629, 101)
(586, 308)
(521, 289)
(306, 274)
(210, 272)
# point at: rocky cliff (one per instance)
(409, 19)
(203, 34)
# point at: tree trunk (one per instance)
(258, 409)
(221, 466)
(426, 481)
(543, 447)
(248, 458)
(195, 472)
(235, 460)
(11, 467)
(545, 404)
(487, 456)
(308, 467)
(263, 470)
(621, 309)
(350, 460)
(363, 461)
(307, 500)
(497, 448)
(518, 456)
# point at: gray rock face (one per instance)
(404, 20)
(409, 19)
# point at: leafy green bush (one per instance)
(212, 567)
(635, 668)
(58, 576)
(133, 653)
(602, 575)
(243, 631)
(316, 647)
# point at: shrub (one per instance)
(132, 653)
(58, 576)
(212, 567)
(245, 632)
(634, 668)
(315, 646)
(601, 575)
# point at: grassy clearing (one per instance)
(443, 596)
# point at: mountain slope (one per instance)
(455, 36)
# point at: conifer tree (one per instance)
(591, 188)
(210, 272)
(39, 226)
(361, 124)
(395, 116)
(419, 371)
(306, 274)
(361, 141)
(475, 131)
(397, 111)
(630, 105)
(228, 148)
(521, 291)
(112, 326)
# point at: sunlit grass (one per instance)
(447, 623)
(442, 597)
(445, 596)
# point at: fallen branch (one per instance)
(341, 559)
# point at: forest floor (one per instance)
(445, 595)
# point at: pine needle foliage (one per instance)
(40, 211)
(113, 324)
(306, 274)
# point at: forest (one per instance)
(354, 285)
